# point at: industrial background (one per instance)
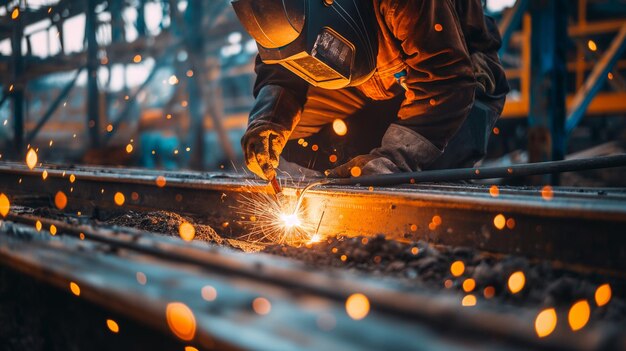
(81, 81)
(151, 99)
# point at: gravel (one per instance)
(427, 265)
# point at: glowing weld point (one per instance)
(315, 239)
(290, 220)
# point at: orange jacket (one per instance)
(448, 50)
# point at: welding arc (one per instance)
(521, 170)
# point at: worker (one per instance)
(431, 64)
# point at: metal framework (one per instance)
(580, 31)
(201, 31)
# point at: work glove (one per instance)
(272, 119)
(401, 150)
(262, 145)
(484, 76)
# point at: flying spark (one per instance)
(272, 223)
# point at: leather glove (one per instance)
(484, 76)
(402, 150)
(262, 144)
(363, 165)
(274, 115)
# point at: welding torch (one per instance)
(278, 191)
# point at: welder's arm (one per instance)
(276, 111)
(440, 83)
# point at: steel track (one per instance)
(575, 227)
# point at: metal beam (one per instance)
(511, 22)
(546, 134)
(195, 46)
(66, 8)
(123, 115)
(18, 88)
(93, 102)
(4, 98)
(53, 107)
(594, 83)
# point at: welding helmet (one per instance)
(331, 44)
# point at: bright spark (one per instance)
(269, 222)
(290, 220)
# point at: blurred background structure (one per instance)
(168, 83)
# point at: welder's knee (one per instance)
(469, 144)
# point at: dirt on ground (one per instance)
(482, 275)
(168, 223)
(164, 222)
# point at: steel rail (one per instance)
(556, 228)
(392, 305)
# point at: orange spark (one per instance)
(578, 315)
(5, 205)
(340, 127)
(457, 268)
(499, 221)
(545, 323)
(357, 306)
(31, 158)
(112, 325)
(119, 199)
(181, 320)
(489, 292)
(603, 295)
(186, 231)
(469, 285)
(75, 288)
(469, 300)
(60, 200)
(547, 193)
(271, 222)
(161, 181)
(494, 191)
(355, 171)
(516, 282)
(261, 306)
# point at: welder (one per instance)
(418, 83)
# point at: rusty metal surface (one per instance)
(105, 263)
(575, 226)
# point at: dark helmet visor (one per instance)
(335, 45)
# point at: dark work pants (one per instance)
(367, 121)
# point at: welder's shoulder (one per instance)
(402, 13)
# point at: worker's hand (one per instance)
(483, 73)
(363, 165)
(262, 144)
